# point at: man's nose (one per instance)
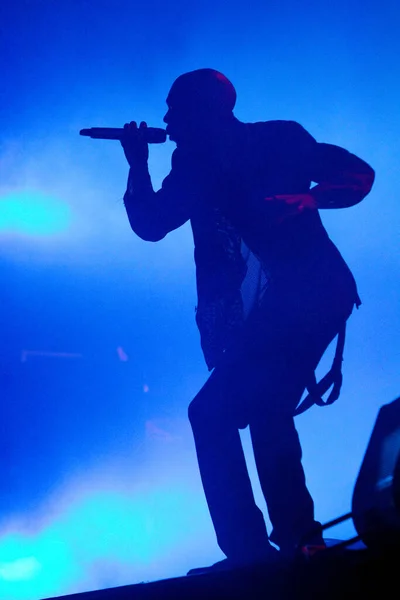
(166, 116)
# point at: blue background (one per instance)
(100, 352)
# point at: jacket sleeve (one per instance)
(154, 214)
(343, 179)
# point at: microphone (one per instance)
(152, 135)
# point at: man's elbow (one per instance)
(146, 233)
(344, 179)
(152, 237)
(360, 182)
(365, 179)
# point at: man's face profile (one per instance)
(197, 101)
(185, 119)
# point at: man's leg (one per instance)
(238, 522)
(277, 453)
(276, 444)
(260, 384)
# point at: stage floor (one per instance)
(332, 574)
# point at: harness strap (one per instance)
(333, 378)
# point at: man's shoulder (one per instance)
(276, 126)
(279, 132)
(274, 123)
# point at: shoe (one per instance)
(227, 564)
(306, 550)
(310, 550)
(221, 565)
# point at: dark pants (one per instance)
(259, 384)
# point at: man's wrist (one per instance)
(138, 177)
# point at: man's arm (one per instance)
(343, 179)
(154, 214)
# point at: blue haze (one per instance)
(100, 354)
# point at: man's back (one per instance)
(249, 233)
(248, 183)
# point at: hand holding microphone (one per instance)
(134, 139)
(135, 144)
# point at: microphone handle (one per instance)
(152, 135)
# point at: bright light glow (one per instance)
(76, 279)
(31, 213)
(19, 570)
(100, 539)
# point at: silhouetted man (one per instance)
(246, 189)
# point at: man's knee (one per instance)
(275, 433)
(208, 408)
(196, 410)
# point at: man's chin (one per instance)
(174, 137)
(181, 140)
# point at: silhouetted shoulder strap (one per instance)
(333, 378)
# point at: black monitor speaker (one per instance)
(376, 497)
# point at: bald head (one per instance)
(204, 90)
(199, 101)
